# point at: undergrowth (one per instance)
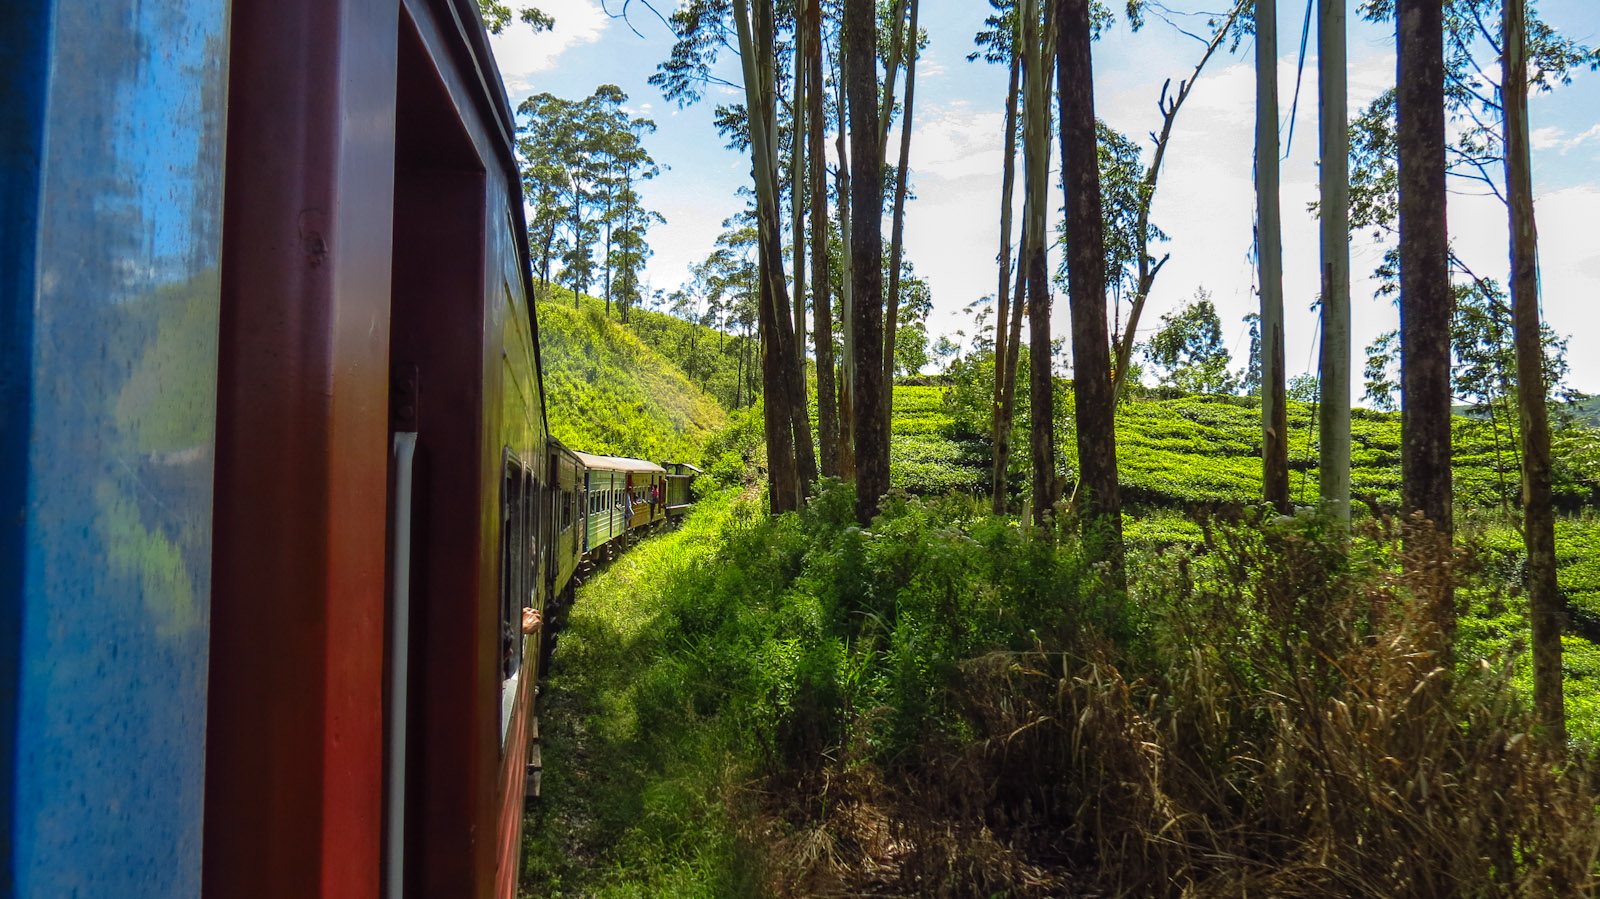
(942, 705)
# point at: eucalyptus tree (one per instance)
(1538, 527)
(630, 249)
(730, 277)
(703, 28)
(1267, 355)
(1038, 49)
(1094, 392)
(998, 44)
(1334, 360)
(1189, 352)
(914, 42)
(627, 219)
(1170, 103)
(859, 52)
(1425, 292)
(844, 191)
(828, 439)
(622, 162)
(543, 132)
(1475, 151)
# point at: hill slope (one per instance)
(607, 392)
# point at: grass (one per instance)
(635, 784)
(801, 707)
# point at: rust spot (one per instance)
(316, 249)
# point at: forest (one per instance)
(1010, 612)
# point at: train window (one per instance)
(516, 560)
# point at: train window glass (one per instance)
(531, 521)
(515, 545)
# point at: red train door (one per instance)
(437, 328)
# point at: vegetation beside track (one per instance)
(939, 706)
(608, 392)
(799, 707)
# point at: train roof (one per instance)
(617, 463)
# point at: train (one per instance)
(278, 494)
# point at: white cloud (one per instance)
(521, 54)
(1548, 138)
(1569, 261)
(1593, 134)
(955, 141)
(1556, 138)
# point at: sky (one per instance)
(1205, 198)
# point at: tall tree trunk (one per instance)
(1038, 49)
(797, 194)
(1095, 395)
(1001, 440)
(738, 381)
(891, 71)
(609, 175)
(1009, 365)
(793, 353)
(577, 230)
(1334, 366)
(1269, 242)
(783, 491)
(897, 230)
(783, 388)
(847, 406)
(866, 240)
(1426, 298)
(1539, 529)
(821, 301)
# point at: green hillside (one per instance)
(608, 392)
(724, 365)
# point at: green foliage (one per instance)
(1496, 619)
(497, 16)
(911, 327)
(732, 696)
(638, 782)
(724, 365)
(581, 164)
(607, 392)
(1189, 350)
(736, 454)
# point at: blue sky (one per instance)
(1205, 201)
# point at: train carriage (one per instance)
(680, 479)
(370, 684)
(570, 511)
(618, 498)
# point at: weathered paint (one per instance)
(111, 131)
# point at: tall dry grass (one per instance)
(1285, 721)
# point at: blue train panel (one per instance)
(112, 117)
